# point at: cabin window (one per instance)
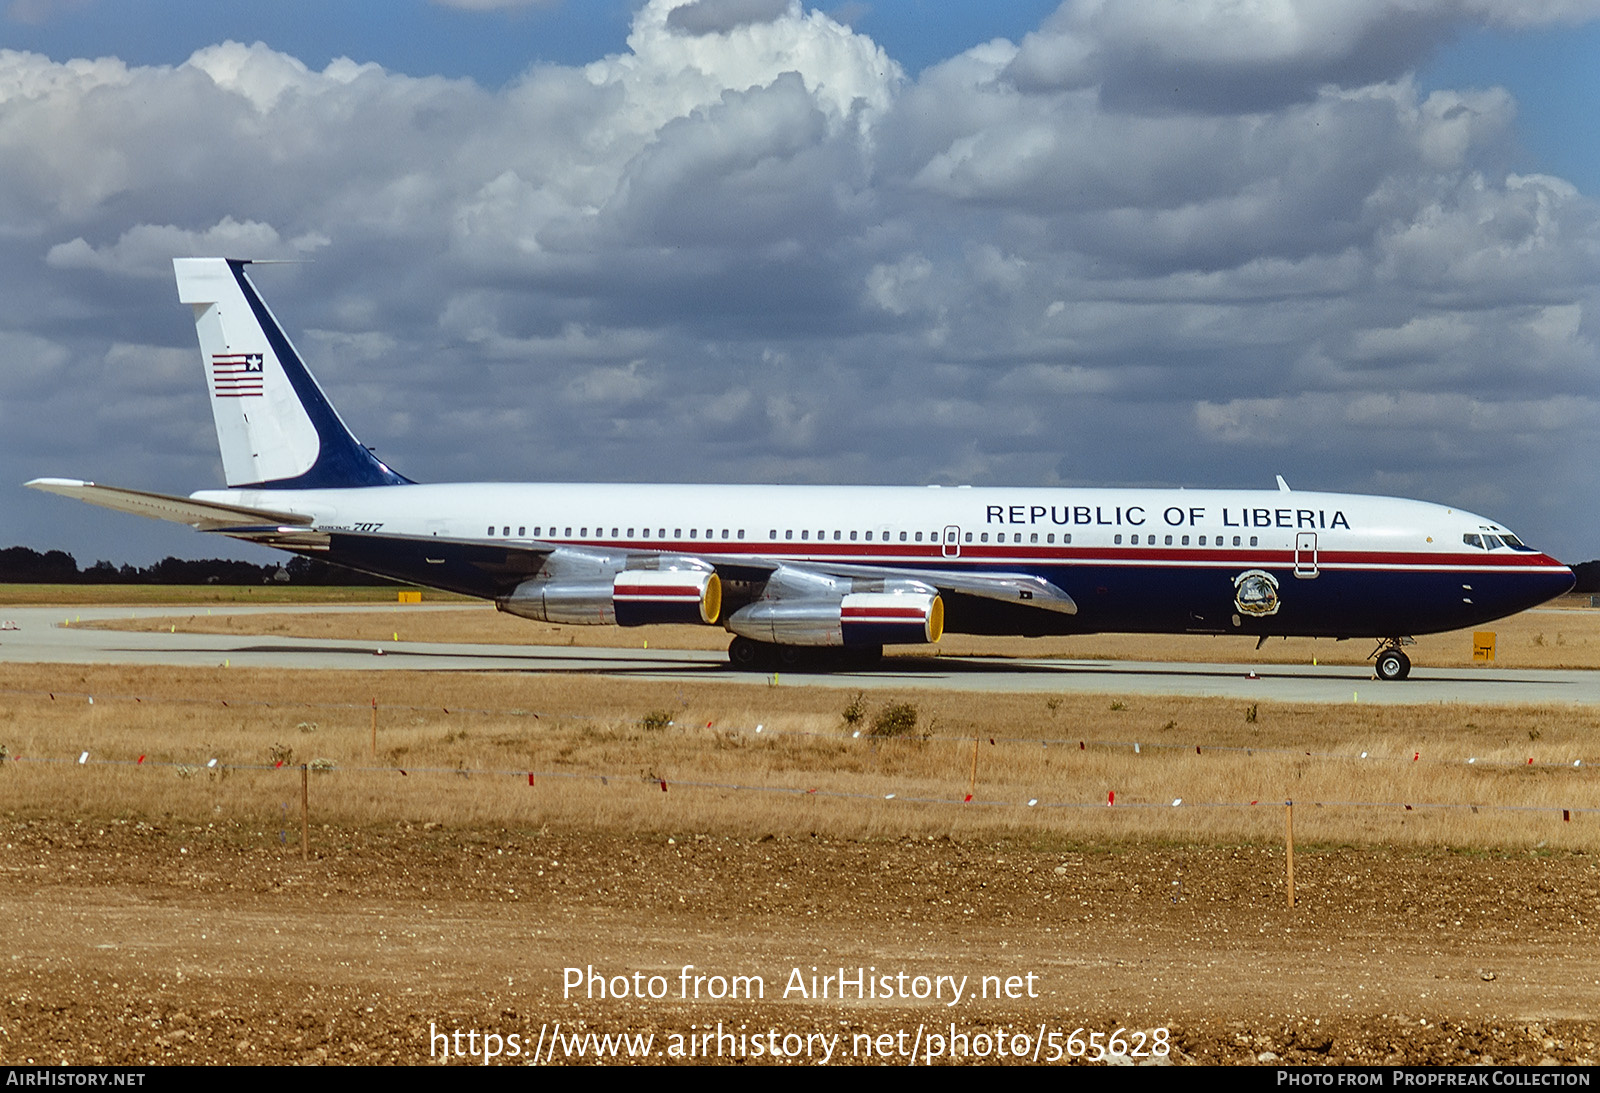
(984, 538)
(1169, 540)
(724, 533)
(805, 534)
(1050, 538)
(677, 533)
(1252, 540)
(1034, 538)
(741, 533)
(693, 532)
(630, 533)
(852, 536)
(969, 536)
(613, 533)
(661, 533)
(837, 536)
(788, 534)
(1185, 541)
(869, 536)
(918, 537)
(1116, 540)
(1235, 540)
(568, 534)
(1202, 540)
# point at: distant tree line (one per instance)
(1588, 574)
(20, 565)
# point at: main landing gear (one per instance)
(757, 655)
(1389, 661)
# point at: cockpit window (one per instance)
(1513, 541)
(1490, 542)
(1473, 540)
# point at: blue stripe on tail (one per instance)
(342, 461)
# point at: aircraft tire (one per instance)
(1393, 665)
(862, 656)
(748, 653)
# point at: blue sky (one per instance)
(1145, 243)
(1554, 75)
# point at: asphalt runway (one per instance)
(45, 635)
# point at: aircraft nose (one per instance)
(1558, 579)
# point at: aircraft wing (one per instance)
(491, 568)
(1019, 588)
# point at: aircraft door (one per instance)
(1305, 554)
(952, 542)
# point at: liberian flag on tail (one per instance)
(237, 375)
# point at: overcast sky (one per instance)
(1114, 242)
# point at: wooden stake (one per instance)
(1288, 820)
(972, 783)
(305, 812)
(374, 726)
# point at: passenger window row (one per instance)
(1018, 537)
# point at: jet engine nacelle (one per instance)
(564, 592)
(857, 618)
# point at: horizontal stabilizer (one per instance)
(202, 515)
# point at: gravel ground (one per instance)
(134, 942)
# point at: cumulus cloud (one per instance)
(721, 16)
(147, 250)
(749, 247)
(1202, 55)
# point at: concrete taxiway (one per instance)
(48, 635)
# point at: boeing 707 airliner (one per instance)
(825, 573)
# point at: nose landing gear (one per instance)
(1389, 661)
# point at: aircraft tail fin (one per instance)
(276, 428)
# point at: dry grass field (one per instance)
(508, 827)
(143, 594)
(787, 760)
